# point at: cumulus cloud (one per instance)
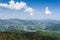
(13, 5)
(47, 11)
(29, 10)
(17, 6)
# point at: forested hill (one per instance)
(16, 29)
(39, 35)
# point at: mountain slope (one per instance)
(17, 24)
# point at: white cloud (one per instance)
(47, 11)
(29, 10)
(17, 6)
(13, 5)
(3, 5)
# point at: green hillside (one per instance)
(39, 35)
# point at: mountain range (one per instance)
(30, 25)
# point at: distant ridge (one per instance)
(32, 25)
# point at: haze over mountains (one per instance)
(31, 25)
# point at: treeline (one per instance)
(39, 35)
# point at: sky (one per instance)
(30, 9)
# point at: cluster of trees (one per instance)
(29, 36)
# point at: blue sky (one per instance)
(30, 9)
